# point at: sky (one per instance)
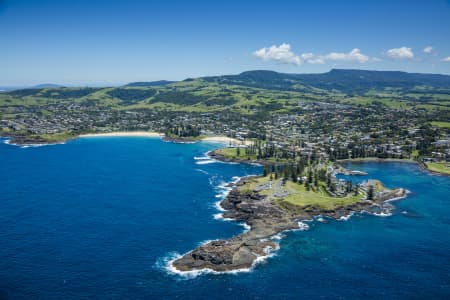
(100, 42)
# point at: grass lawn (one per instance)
(441, 124)
(57, 137)
(232, 153)
(441, 167)
(299, 196)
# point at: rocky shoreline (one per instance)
(214, 155)
(265, 220)
(22, 140)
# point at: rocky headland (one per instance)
(266, 218)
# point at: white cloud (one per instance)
(447, 59)
(311, 58)
(282, 54)
(354, 55)
(400, 53)
(428, 49)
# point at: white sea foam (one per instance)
(205, 162)
(222, 195)
(217, 205)
(246, 227)
(218, 216)
(204, 242)
(302, 226)
(382, 214)
(278, 236)
(202, 158)
(24, 146)
(202, 171)
(345, 218)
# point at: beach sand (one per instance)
(220, 139)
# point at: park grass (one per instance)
(440, 167)
(231, 153)
(58, 137)
(302, 197)
(299, 196)
(441, 124)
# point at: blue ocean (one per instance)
(100, 218)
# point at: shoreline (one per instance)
(122, 134)
(423, 166)
(20, 140)
(266, 221)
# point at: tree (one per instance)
(356, 189)
(307, 185)
(310, 176)
(370, 192)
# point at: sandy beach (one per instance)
(220, 139)
(124, 134)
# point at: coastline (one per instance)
(31, 141)
(423, 166)
(122, 134)
(266, 221)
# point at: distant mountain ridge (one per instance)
(46, 86)
(149, 83)
(343, 80)
(346, 81)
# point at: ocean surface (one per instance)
(99, 218)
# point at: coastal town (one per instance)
(332, 129)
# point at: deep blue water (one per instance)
(98, 218)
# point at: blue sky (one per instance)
(90, 42)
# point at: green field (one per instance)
(440, 167)
(441, 124)
(299, 196)
(231, 153)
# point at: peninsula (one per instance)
(280, 200)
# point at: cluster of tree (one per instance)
(363, 151)
(267, 150)
(183, 131)
(178, 97)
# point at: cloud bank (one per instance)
(284, 54)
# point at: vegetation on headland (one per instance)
(301, 189)
(299, 180)
(439, 167)
(441, 124)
